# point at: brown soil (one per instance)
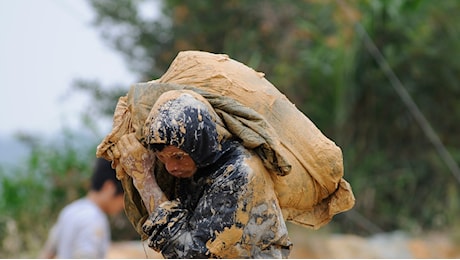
(318, 244)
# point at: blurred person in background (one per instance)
(82, 229)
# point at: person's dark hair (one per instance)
(103, 172)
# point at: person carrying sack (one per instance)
(297, 174)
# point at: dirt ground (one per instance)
(314, 244)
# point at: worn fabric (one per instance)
(314, 189)
(221, 211)
(81, 231)
(304, 165)
(185, 122)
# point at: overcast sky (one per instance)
(44, 46)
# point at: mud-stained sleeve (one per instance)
(178, 233)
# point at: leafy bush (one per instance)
(34, 192)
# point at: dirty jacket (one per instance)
(228, 209)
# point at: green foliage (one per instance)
(55, 173)
(103, 101)
(32, 194)
(409, 180)
(311, 51)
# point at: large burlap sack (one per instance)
(316, 162)
(307, 167)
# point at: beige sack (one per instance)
(311, 191)
(314, 190)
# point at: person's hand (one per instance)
(164, 223)
(137, 162)
(135, 159)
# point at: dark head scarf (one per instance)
(184, 119)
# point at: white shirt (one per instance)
(81, 231)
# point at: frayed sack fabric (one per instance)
(305, 166)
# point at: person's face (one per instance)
(177, 162)
(110, 202)
(116, 204)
